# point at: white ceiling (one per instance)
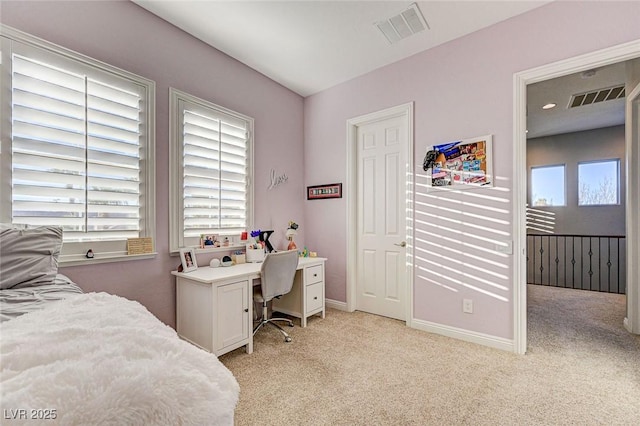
(563, 119)
(310, 45)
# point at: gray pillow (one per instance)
(28, 257)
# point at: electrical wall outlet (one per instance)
(467, 306)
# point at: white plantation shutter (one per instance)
(48, 146)
(78, 150)
(113, 160)
(212, 149)
(76, 153)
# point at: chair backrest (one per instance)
(277, 273)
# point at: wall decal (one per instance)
(276, 180)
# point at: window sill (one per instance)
(231, 247)
(81, 259)
(218, 249)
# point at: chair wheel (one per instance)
(290, 324)
(287, 339)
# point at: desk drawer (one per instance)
(313, 274)
(314, 297)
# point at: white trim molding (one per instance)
(632, 136)
(465, 335)
(73, 252)
(336, 304)
(177, 101)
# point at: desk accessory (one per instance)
(188, 259)
(239, 257)
(139, 245)
(264, 238)
(291, 231)
(254, 255)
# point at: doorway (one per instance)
(379, 191)
(521, 80)
(576, 263)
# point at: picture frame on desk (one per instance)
(188, 259)
(210, 241)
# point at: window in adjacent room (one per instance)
(210, 170)
(78, 147)
(547, 186)
(599, 183)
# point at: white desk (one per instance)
(214, 306)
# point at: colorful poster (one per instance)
(463, 163)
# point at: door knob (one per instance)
(402, 244)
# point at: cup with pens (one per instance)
(239, 257)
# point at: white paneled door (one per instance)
(381, 217)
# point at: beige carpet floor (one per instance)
(582, 368)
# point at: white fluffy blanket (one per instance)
(98, 359)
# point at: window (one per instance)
(599, 183)
(78, 150)
(547, 186)
(210, 170)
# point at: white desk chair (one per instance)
(276, 279)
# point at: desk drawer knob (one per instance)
(315, 275)
(246, 310)
(315, 298)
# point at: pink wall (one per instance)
(125, 35)
(461, 89)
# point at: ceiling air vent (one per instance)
(596, 96)
(406, 24)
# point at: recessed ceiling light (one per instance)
(549, 106)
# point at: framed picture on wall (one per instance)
(319, 192)
(188, 259)
(462, 164)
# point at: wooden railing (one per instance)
(586, 262)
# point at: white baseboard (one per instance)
(465, 335)
(336, 304)
(626, 324)
(456, 333)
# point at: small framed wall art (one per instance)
(188, 259)
(462, 164)
(319, 192)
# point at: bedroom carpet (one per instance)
(582, 368)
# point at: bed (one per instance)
(94, 358)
